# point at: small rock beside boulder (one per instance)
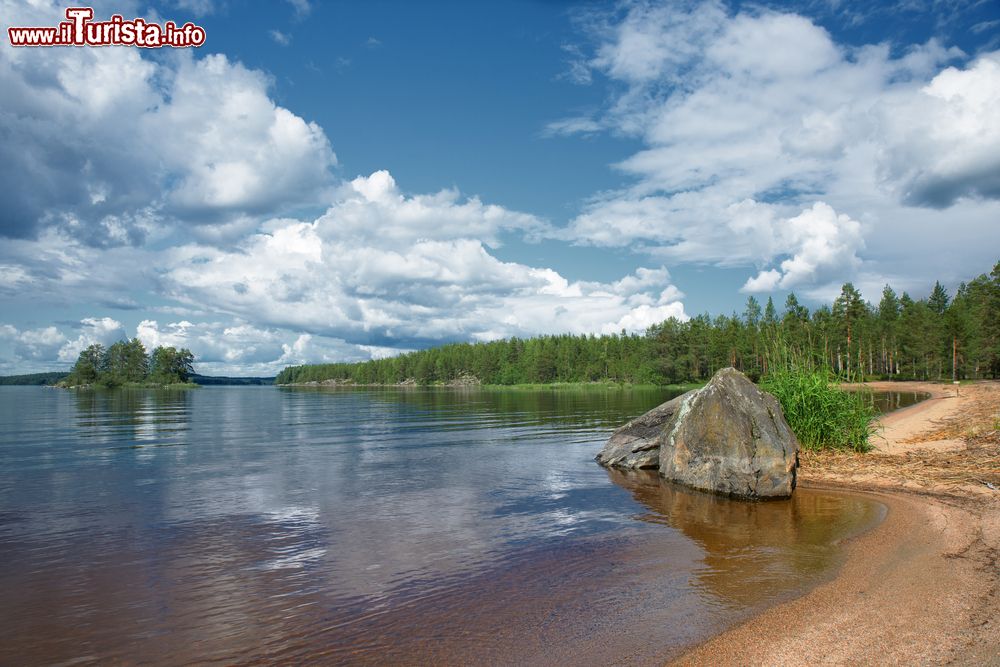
(728, 437)
(635, 446)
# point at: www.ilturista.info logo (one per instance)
(81, 30)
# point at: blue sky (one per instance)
(335, 181)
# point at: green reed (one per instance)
(822, 415)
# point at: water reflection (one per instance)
(753, 551)
(252, 524)
(577, 408)
(138, 415)
(887, 401)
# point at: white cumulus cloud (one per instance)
(753, 122)
(108, 143)
(821, 244)
(92, 330)
(943, 141)
(30, 345)
(241, 348)
(380, 267)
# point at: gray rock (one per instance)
(634, 445)
(731, 438)
(728, 437)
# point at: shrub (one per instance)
(821, 415)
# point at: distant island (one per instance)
(936, 338)
(55, 377)
(126, 364)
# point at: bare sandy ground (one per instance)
(924, 586)
(901, 430)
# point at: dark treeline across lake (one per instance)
(49, 379)
(250, 524)
(35, 379)
(898, 338)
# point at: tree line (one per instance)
(36, 379)
(126, 362)
(938, 337)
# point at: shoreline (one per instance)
(899, 427)
(347, 384)
(922, 587)
(127, 385)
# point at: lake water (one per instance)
(887, 401)
(247, 525)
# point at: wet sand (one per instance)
(922, 588)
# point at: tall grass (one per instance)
(821, 415)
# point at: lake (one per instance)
(887, 401)
(249, 525)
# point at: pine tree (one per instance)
(88, 365)
(938, 300)
(848, 310)
(888, 321)
(168, 365)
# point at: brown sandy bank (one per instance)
(922, 588)
(902, 428)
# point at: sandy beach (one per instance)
(922, 587)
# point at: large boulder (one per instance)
(728, 437)
(634, 446)
(731, 438)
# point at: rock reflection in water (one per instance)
(754, 552)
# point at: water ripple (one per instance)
(242, 525)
